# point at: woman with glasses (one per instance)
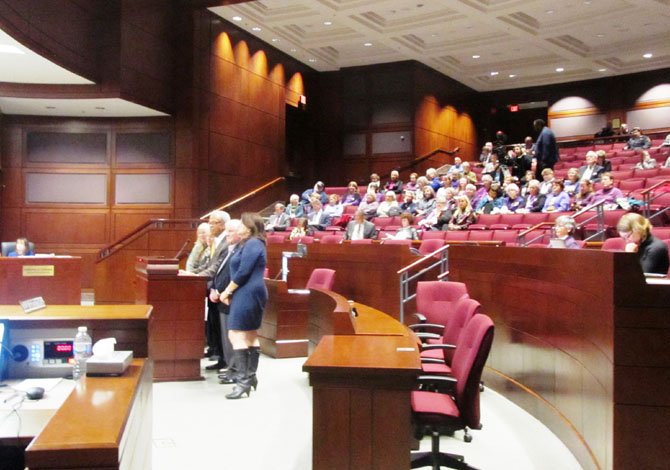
(653, 253)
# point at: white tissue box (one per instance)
(113, 363)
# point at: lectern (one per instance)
(177, 328)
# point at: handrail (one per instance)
(245, 196)
(521, 237)
(588, 208)
(405, 277)
(648, 199)
(651, 188)
(422, 259)
(112, 248)
(426, 157)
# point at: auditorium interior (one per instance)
(125, 123)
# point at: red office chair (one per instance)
(331, 239)
(271, 238)
(362, 241)
(430, 245)
(435, 301)
(443, 352)
(614, 244)
(393, 241)
(321, 278)
(438, 413)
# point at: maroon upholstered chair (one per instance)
(435, 301)
(614, 244)
(435, 413)
(321, 278)
(393, 241)
(430, 245)
(271, 238)
(362, 241)
(331, 239)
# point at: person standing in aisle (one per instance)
(247, 295)
(546, 148)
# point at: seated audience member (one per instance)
(584, 196)
(457, 167)
(606, 131)
(652, 252)
(666, 142)
(470, 191)
(607, 193)
(427, 203)
(389, 206)
(482, 192)
(318, 218)
(22, 248)
(279, 220)
(408, 205)
(603, 161)
(412, 185)
(369, 205)
(495, 169)
(571, 183)
(513, 201)
(564, 229)
(198, 259)
(468, 174)
(638, 141)
(558, 200)
(463, 216)
(487, 151)
(433, 179)
(437, 218)
(528, 146)
(519, 162)
(534, 200)
(317, 190)
(301, 229)
(352, 197)
(406, 231)
(491, 200)
(295, 210)
(359, 228)
(394, 184)
(333, 208)
(527, 178)
(421, 182)
(667, 163)
(447, 184)
(547, 183)
(462, 183)
(623, 129)
(591, 171)
(646, 162)
(374, 185)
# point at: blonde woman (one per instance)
(463, 216)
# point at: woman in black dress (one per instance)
(653, 253)
(246, 294)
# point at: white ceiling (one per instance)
(524, 41)
(18, 64)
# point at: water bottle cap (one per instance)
(82, 329)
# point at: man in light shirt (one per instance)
(591, 171)
(359, 228)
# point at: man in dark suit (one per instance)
(318, 219)
(591, 171)
(219, 283)
(359, 228)
(546, 148)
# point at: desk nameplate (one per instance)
(39, 270)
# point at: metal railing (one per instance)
(441, 261)
(649, 197)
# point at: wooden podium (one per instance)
(177, 326)
(283, 332)
(57, 279)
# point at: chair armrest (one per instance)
(423, 335)
(437, 383)
(421, 317)
(421, 326)
(428, 347)
(431, 360)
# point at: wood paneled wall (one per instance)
(76, 228)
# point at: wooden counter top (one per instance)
(78, 312)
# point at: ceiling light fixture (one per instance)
(9, 49)
(512, 75)
(602, 70)
(256, 28)
(368, 44)
(560, 69)
(275, 40)
(293, 49)
(50, 107)
(493, 74)
(476, 56)
(549, 12)
(327, 23)
(312, 60)
(237, 18)
(648, 55)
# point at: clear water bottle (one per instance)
(83, 345)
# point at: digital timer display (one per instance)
(58, 349)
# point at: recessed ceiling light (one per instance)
(648, 55)
(50, 107)
(512, 75)
(9, 49)
(237, 18)
(560, 69)
(476, 56)
(327, 23)
(493, 74)
(293, 49)
(549, 12)
(256, 28)
(600, 35)
(602, 70)
(275, 40)
(312, 60)
(367, 44)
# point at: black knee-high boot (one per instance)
(243, 385)
(254, 356)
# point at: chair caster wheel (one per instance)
(467, 438)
